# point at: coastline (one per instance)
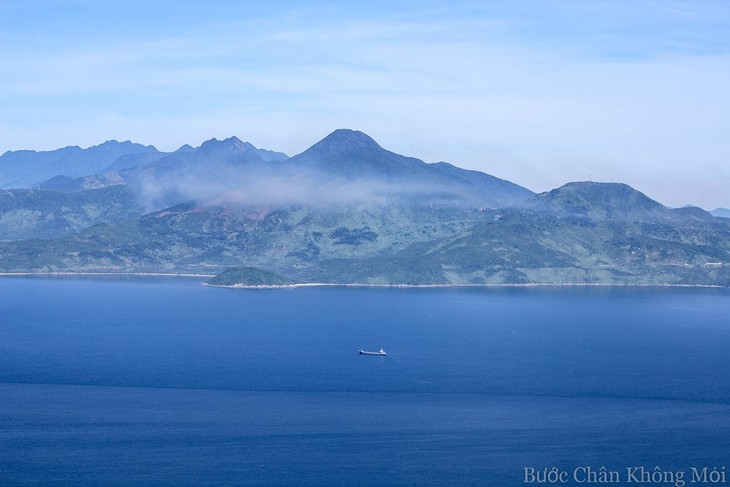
(354, 284)
(140, 274)
(454, 285)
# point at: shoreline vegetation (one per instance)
(325, 284)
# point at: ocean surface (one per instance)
(163, 381)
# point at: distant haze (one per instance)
(346, 167)
(539, 94)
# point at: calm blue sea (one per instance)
(139, 381)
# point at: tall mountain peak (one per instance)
(352, 153)
(599, 200)
(346, 140)
(231, 144)
(598, 191)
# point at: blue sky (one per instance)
(537, 92)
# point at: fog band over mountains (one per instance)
(344, 211)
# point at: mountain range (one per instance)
(26, 168)
(343, 211)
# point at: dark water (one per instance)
(165, 381)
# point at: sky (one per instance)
(537, 92)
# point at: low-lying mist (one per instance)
(266, 188)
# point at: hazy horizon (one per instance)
(539, 94)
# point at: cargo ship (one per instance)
(381, 352)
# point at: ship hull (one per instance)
(380, 354)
